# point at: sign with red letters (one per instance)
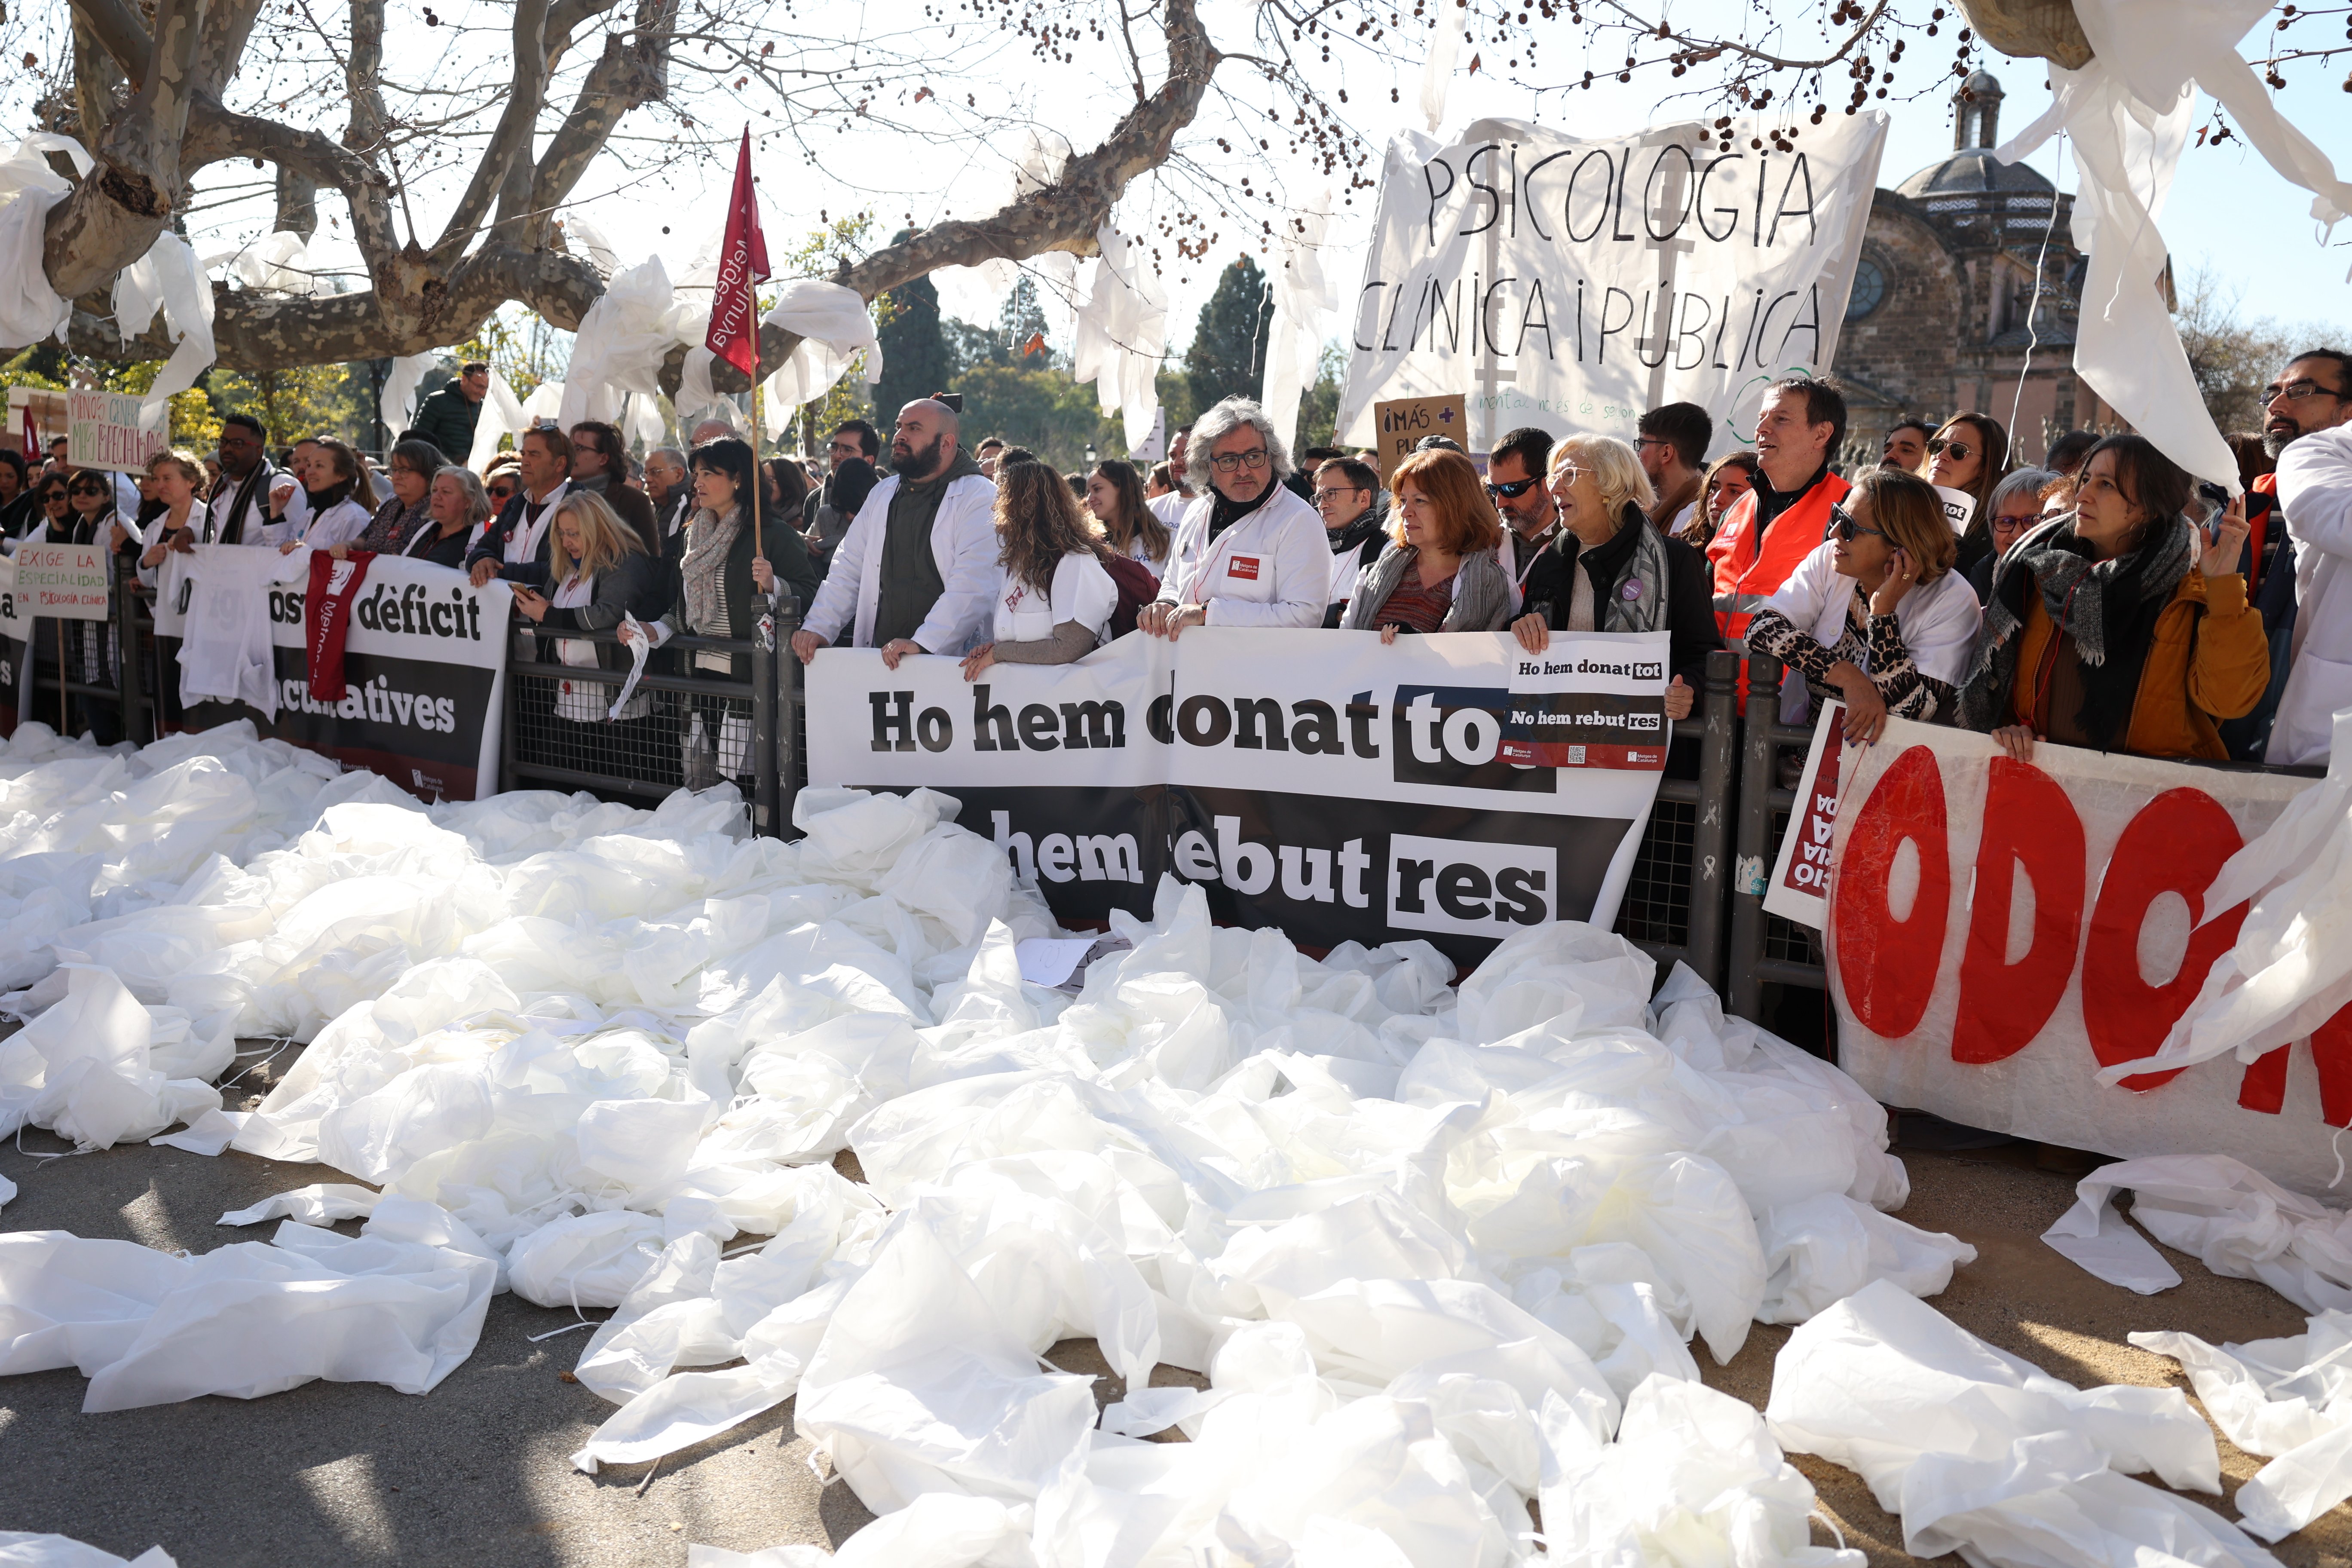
(1999, 932)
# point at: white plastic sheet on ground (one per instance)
(1987, 1454)
(2234, 1218)
(2287, 1399)
(20, 1550)
(1428, 1243)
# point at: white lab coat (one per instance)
(2315, 490)
(964, 545)
(1939, 621)
(340, 523)
(1273, 568)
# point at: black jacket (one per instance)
(632, 588)
(448, 419)
(1362, 542)
(1691, 627)
(440, 552)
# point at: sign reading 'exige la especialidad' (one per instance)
(1573, 282)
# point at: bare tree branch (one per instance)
(510, 144)
(113, 216)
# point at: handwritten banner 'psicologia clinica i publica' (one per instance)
(1310, 780)
(1572, 282)
(2001, 931)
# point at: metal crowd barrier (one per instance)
(688, 722)
(1673, 908)
(62, 694)
(1765, 949)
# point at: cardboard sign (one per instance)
(1596, 701)
(37, 416)
(108, 431)
(1799, 890)
(1403, 422)
(64, 582)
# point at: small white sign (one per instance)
(109, 430)
(1958, 507)
(62, 582)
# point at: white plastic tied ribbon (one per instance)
(501, 414)
(835, 327)
(2128, 113)
(1437, 66)
(29, 308)
(1302, 301)
(169, 278)
(641, 647)
(622, 343)
(1122, 335)
(398, 404)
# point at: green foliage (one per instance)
(915, 359)
(195, 424)
(44, 364)
(1319, 407)
(1227, 358)
(292, 402)
(519, 345)
(1042, 410)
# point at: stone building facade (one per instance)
(1965, 296)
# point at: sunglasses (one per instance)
(1959, 449)
(502, 492)
(1841, 522)
(88, 491)
(1513, 490)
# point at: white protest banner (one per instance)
(66, 582)
(1590, 702)
(424, 669)
(1315, 780)
(1574, 282)
(1798, 887)
(107, 430)
(2000, 931)
(16, 637)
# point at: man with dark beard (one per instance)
(916, 571)
(2303, 588)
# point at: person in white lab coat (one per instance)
(2315, 490)
(1248, 552)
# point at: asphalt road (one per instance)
(477, 1470)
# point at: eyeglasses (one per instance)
(1961, 450)
(1847, 529)
(2296, 391)
(1652, 441)
(2025, 520)
(1511, 491)
(1234, 462)
(1321, 494)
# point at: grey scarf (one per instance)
(708, 538)
(2108, 607)
(1638, 601)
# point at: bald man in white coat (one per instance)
(916, 571)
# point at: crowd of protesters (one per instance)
(2102, 598)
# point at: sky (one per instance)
(2228, 211)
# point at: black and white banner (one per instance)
(424, 665)
(1311, 780)
(1572, 282)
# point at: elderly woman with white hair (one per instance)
(1610, 569)
(1248, 552)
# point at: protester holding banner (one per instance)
(1785, 518)
(2016, 505)
(913, 572)
(1344, 491)
(1516, 472)
(1877, 618)
(403, 514)
(1054, 597)
(455, 508)
(1970, 453)
(1441, 571)
(1610, 569)
(1249, 552)
(1115, 496)
(174, 476)
(516, 546)
(2124, 627)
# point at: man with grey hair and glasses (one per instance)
(1248, 552)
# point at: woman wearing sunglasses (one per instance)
(1970, 453)
(1877, 617)
(49, 519)
(1609, 570)
(2124, 627)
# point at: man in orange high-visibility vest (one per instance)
(1785, 518)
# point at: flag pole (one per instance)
(759, 476)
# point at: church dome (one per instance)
(1973, 172)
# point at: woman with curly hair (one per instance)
(1054, 594)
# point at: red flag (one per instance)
(742, 261)
(32, 439)
(326, 618)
